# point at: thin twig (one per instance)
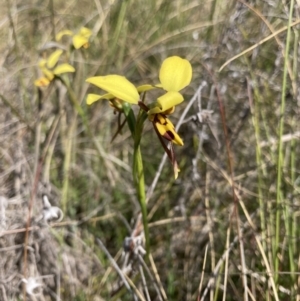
(202, 273)
(116, 267)
(156, 285)
(157, 277)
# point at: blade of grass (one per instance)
(254, 108)
(279, 195)
(67, 163)
(202, 273)
(156, 275)
(210, 222)
(226, 265)
(263, 254)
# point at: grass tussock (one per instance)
(226, 229)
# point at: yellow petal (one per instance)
(62, 33)
(79, 41)
(166, 129)
(145, 88)
(42, 82)
(48, 73)
(169, 100)
(82, 38)
(53, 58)
(42, 63)
(175, 73)
(85, 32)
(63, 68)
(166, 102)
(118, 86)
(91, 98)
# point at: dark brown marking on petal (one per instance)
(169, 135)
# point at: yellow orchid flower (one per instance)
(117, 86)
(79, 39)
(175, 74)
(50, 69)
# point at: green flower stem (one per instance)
(138, 175)
(138, 169)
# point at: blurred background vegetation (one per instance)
(227, 228)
